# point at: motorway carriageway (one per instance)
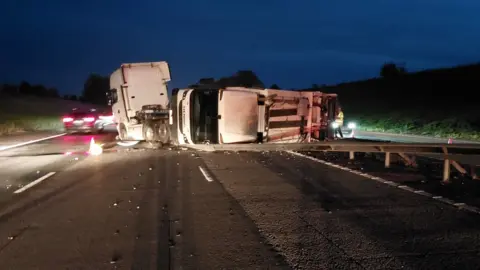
(180, 209)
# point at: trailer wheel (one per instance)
(163, 133)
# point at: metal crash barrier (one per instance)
(452, 155)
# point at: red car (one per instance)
(86, 121)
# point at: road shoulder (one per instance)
(10, 141)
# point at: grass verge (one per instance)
(450, 127)
(11, 124)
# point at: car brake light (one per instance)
(67, 119)
(89, 119)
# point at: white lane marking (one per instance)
(31, 184)
(424, 193)
(30, 142)
(390, 183)
(205, 174)
(458, 205)
(407, 188)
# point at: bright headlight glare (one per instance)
(352, 125)
(335, 125)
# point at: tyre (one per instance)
(149, 132)
(122, 132)
(150, 135)
(163, 132)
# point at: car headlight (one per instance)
(352, 125)
(335, 125)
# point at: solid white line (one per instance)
(30, 142)
(205, 174)
(31, 184)
(463, 206)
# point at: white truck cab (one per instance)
(210, 115)
(139, 100)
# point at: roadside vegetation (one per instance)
(447, 127)
(11, 124)
(27, 108)
(441, 102)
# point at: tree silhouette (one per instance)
(391, 70)
(9, 89)
(52, 92)
(39, 90)
(206, 81)
(25, 88)
(245, 78)
(95, 89)
(274, 86)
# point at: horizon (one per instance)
(78, 94)
(58, 44)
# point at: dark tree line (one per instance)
(25, 88)
(96, 86)
(242, 78)
(392, 70)
(248, 78)
(433, 92)
(94, 90)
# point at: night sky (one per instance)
(291, 43)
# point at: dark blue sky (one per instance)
(291, 43)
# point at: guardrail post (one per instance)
(387, 159)
(446, 170)
(261, 118)
(473, 173)
(351, 155)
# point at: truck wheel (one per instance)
(122, 132)
(148, 132)
(150, 136)
(163, 133)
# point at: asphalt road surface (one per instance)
(175, 209)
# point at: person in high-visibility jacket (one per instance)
(339, 122)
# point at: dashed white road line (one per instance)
(459, 205)
(205, 174)
(31, 184)
(3, 148)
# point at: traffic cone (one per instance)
(450, 141)
(94, 149)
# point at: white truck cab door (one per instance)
(238, 111)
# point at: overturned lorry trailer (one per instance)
(210, 114)
(245, 115)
